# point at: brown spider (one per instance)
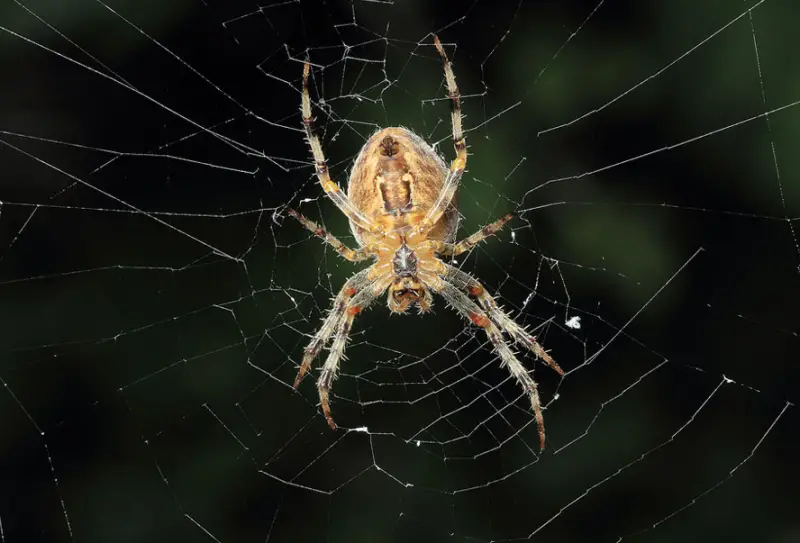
(401, 204)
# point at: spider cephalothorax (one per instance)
(402, 207)
(407, 289)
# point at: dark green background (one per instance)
(155, 298)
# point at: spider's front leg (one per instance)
(321, 337)
(357, 303)
(496, 313)
(470, 310)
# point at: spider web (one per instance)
(157, 297)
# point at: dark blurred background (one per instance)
(156, 299)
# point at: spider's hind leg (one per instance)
(332, 190)
(459, 164)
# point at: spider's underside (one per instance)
(401, 204)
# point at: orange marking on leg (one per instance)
(355, 310)
(475, 290)
(480, 320)
(349, 292)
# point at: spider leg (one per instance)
(458, 165)
(466, 244)
(470, 310)
(328, 185)
(336, 352)
(321, 337)
(496, 313)
(353, 255)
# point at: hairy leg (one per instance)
(470, 310)
(466, 244)
(459, 164)
(353, 255)
(353, 285)
(328, 185)
(357, 303)
(496, 313)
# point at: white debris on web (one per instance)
(573, 322)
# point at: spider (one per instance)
(402, 207)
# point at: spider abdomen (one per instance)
(396, 180)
